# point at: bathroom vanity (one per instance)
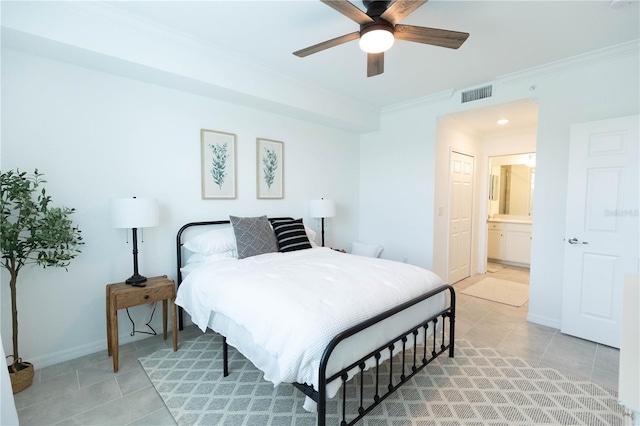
(509, 241)
(510, 208)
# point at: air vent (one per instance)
(476, 94)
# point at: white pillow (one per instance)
(311, 234)
(197, 257)
(212, 242)
(368, 250)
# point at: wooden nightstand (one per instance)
(123, 295)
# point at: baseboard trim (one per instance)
(82, 350)
(541, 320)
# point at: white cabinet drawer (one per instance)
(519, 227)
(496, 226)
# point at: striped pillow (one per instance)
(291, 235)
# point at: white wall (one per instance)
(396, 184)
(593, 87)
(97, 136)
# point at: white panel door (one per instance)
(460, 213)
(601, 241)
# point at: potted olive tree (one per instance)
(32, 233)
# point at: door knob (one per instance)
(575, 241)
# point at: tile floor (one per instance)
(85, 391)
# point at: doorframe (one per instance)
(452, 135)
(483, 249)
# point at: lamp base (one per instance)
(136, 280)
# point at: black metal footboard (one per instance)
(429, 350)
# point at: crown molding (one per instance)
(436, 97)
(601, 55)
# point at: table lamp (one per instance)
(134, 213)
(321, 209)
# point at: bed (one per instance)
(312, 316)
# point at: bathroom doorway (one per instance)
(510, 209)
(497, 130)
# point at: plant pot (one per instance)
(22, 376)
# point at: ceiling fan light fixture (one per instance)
(376, 40)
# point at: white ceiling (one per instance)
(483, 121)
(505, 37)
(257, 39)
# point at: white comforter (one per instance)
(290, 305)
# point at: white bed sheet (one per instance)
(280, 310)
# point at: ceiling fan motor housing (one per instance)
(376, 7)
(377, 24)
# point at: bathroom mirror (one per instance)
(511, 183)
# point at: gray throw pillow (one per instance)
(254, 236)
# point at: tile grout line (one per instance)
(593, 363)
(97, 406)
(548, 345)
(148, 414)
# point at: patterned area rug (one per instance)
(502, 291)
(480, 386)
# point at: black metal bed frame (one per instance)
(414, 365)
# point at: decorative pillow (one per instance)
(369, 250)
(212, 242)
(254, 236)
(291, 235)
(311, 235)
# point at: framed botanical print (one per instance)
(270, 168)
(218, 152)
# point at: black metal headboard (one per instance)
(179, 252)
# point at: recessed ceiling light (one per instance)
(502, 121)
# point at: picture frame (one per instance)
(269, 169)
(218, 157)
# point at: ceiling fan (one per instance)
(379, 27)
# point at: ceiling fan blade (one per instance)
(349, 10)
(400, 10)
(327, 44)
(375, 64)
(433, 36)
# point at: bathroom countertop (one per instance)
(505, 220)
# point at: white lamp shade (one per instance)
(134, 212)
(322, 208)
